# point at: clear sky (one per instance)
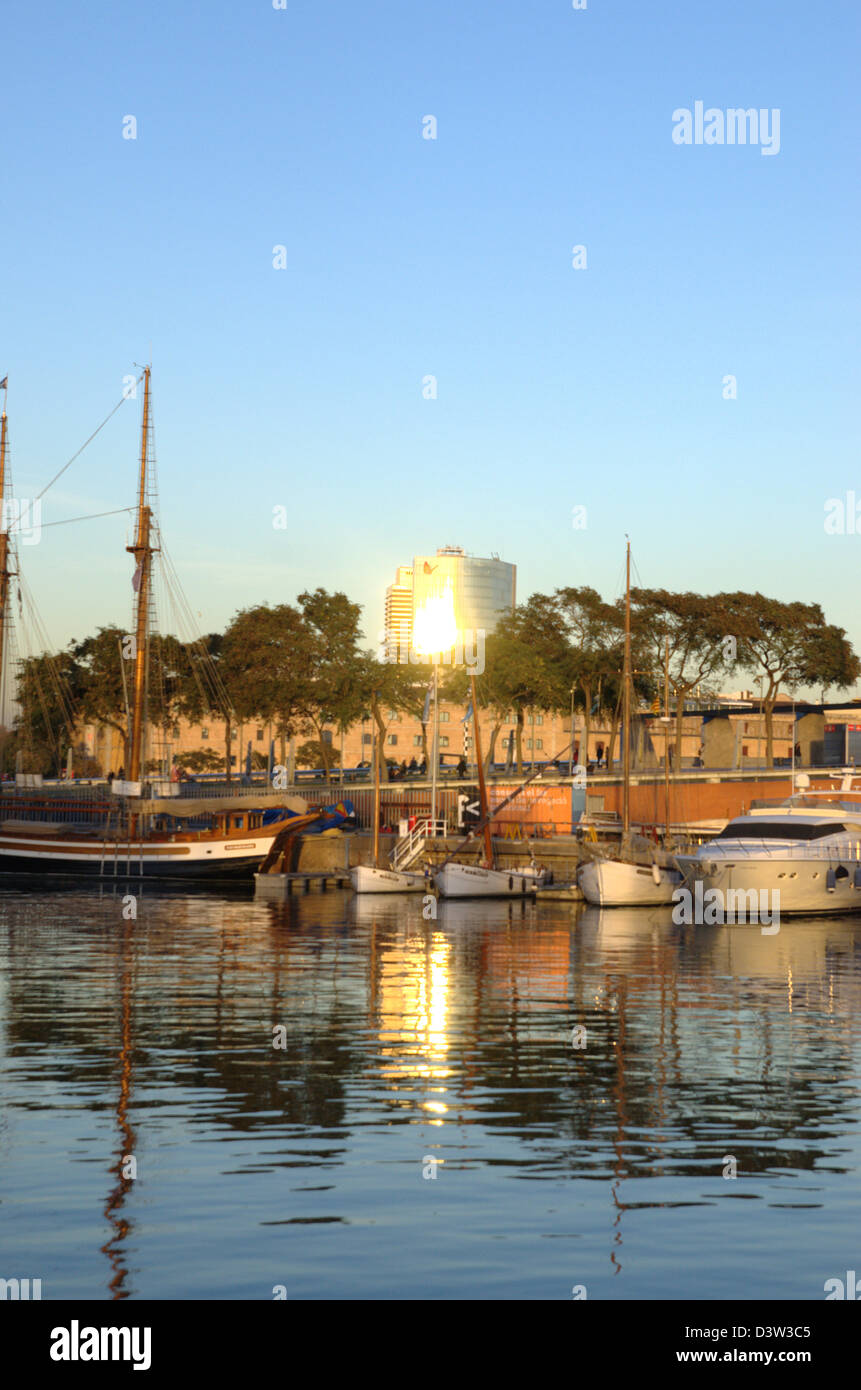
(408, 257)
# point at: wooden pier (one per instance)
(280, 886)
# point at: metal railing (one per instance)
(849, 849)
(409, 847)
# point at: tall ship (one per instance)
(136, 827)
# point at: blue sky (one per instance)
(451, 257)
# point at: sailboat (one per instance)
(370, 878)
(621, 881)
(486, 880)
(122, 831)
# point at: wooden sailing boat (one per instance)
(486, 880)
(120, 831)
(370, 878)
(621, 881)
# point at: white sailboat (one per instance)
(370, 878)
(618, 883)
(621, 881)
(478, 881)
(485, 880)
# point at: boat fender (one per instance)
(510, 883)
(830, 881)
(656, 875)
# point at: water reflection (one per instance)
(403, 1037)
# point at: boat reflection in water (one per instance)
(287, 1074)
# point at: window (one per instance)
(539, 719)
(259, 735)
(539, 743)
(443, 740)
(233, 735)
(505, 742)
(367, 738)
(391, 740)
(444, 716)
(233, 760)
(204, 733)
(176, 731)
(417, 740)
(327, 737)
(394, 717)
(744, 752)
(756, 829)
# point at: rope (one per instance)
(78, 453)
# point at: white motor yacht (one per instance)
(806, 849)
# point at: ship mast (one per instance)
(626, 702)
(482, 786)
(142, 551)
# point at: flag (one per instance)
(426, 711)
(468, 715)
(136, 578)
(428, 569)
(3, 386)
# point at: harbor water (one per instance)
(204, 1096)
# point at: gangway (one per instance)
(409, 847)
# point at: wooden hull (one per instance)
(366, 879)
(613, 883)
(179, 856)
(472, 881)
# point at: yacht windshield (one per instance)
(778, 830)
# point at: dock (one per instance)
(281, 886)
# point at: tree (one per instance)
(593, 632)
(333, 691)
(791, 645)
(199, 760)
(519, 671)
(310, 754)
(106, 665)
(695, 626)
(48, 693)
(268, 652)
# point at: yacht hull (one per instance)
(792, 884)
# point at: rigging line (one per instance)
(91, 517)
(96, 431)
